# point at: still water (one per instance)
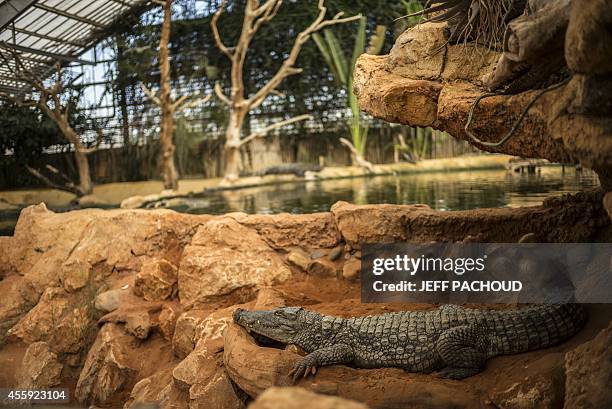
(441, 191)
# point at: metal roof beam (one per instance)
(11, 9)
(60, 57)
(68, 15)
(46, 37)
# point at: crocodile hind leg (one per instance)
(463, 350)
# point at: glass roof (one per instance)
(46, 31)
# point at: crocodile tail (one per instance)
(534, 327)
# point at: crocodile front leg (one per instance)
(335, 354)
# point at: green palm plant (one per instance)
(334, 57)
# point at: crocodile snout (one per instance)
(237, 314)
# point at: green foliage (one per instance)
(412, 6)
(25, 132)
(333, 54)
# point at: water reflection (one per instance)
(441, 191)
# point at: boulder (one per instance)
(351, 269)
(374, 223)
(336, 252)
(322, 267)
(63, 321)
(156, 280)
(107, 369)
(217, 393)
(157, 391)
(198, 367)
(139, 319)
(167, 320)
(284, 231)
(18, 297)
(40, 368)
(184, 338)
(299, 258)
(226, 257)
(75, 275)
(297, 398)
(588, 371)
(110, 300)
(255, 369)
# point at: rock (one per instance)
(156, 392)
(75, 275)
(299, 258)
(322, 267)
(588, 370)
(267, 299)
(204, 378)
(184, 338)
(167, 321)
(172, 397)
(138, 325)
(336, 253)
(415, 55)
(588, 38)
(199, 366)
(297, 398)
(40, 368)
(318, 253)
(374, 223)
(284, 231)
(17, 298)
(156, 280)
(137, 318)
(225, 257)
(110, 300)
(106, 370)
(255, 369)
(217, 393)
(542, 387)
(440, 90)
(351, 269)
(59, 319)
(92, 201)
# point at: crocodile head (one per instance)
(286, 325)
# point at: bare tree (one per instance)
(49, 101)
(257, 13)
(168, 106)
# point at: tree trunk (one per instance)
(168, 167)
(85, 186)
(233, 145)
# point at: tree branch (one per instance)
(215, 29)
(221, 95)
(358, 158)
(268, 128)
(195, 101)
(66, 188)
(150, 94)
(99, 140)
(287, 68)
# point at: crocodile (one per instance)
(453, 340)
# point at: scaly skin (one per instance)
(454, 340)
